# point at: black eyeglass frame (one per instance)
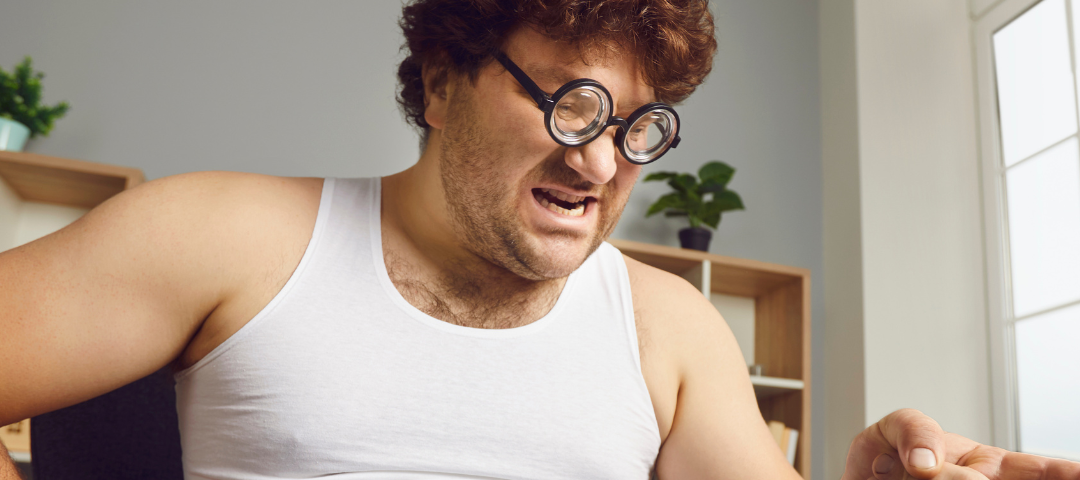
(547, 104)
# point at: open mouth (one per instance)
(561, 203)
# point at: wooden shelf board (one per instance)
(765, 387)
(64, 181)
(730, 276)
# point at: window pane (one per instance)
(1036, 92)
(1049, 383)
(1044, 229)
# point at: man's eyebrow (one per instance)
(557, 76)
(550, 75)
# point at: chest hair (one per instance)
(470, 299)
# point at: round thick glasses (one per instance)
(581, 110)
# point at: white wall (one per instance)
(844, 379)
(922, 285)
(924, 291)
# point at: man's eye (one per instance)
(565, 111)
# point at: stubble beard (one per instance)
(483, 212)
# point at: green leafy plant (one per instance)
(20, 97)
(701, 199)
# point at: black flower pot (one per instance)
(696, 238)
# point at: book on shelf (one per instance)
(777, 430)
(786, 438)
(793, 441)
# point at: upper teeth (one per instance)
(563, 196)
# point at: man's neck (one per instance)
(438, 275)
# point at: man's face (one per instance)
(507, 182)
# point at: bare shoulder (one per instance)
(676, 318)
(654, 288)
(676, 327)
(236, 218)
(699, 384)
(121, 292)
(264, 234)
(667, 304)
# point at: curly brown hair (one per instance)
(673, 38)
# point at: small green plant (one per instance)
(20, 94)
(701, 201)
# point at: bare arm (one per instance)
(717, 431)
(119, 293)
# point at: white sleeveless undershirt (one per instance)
(339, 376)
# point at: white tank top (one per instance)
(339, 376)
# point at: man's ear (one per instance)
(436, 80)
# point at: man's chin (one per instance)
(549, 260)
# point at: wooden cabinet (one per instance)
(780, 297)
(39, 195)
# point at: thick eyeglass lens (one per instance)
(650, 135)
(578, 114)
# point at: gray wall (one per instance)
(274, 87)
(306, 89)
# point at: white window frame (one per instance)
(1002, 348)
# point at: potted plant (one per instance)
(700, 199)
(21, 114)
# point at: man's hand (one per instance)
(907, 444)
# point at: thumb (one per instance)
(918, 439)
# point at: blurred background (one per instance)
(864, 133)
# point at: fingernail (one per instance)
(922, 458)
(883, 464)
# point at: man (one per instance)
(460, 319)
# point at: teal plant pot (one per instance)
(13, 135)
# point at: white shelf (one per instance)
(765, 387)
(20, 457)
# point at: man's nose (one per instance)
(595, 160)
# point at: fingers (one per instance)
(922, 446)
(912, 440)
(887, 468)
(1057, 469)
(999, 464)
(954, 472)
(908, 445)
(864, 450)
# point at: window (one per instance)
(1027, 57)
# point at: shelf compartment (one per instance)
(766, 387)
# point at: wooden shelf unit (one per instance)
(56, 181)
(63, 181)
(781, 324)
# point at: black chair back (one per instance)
(129, 433)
